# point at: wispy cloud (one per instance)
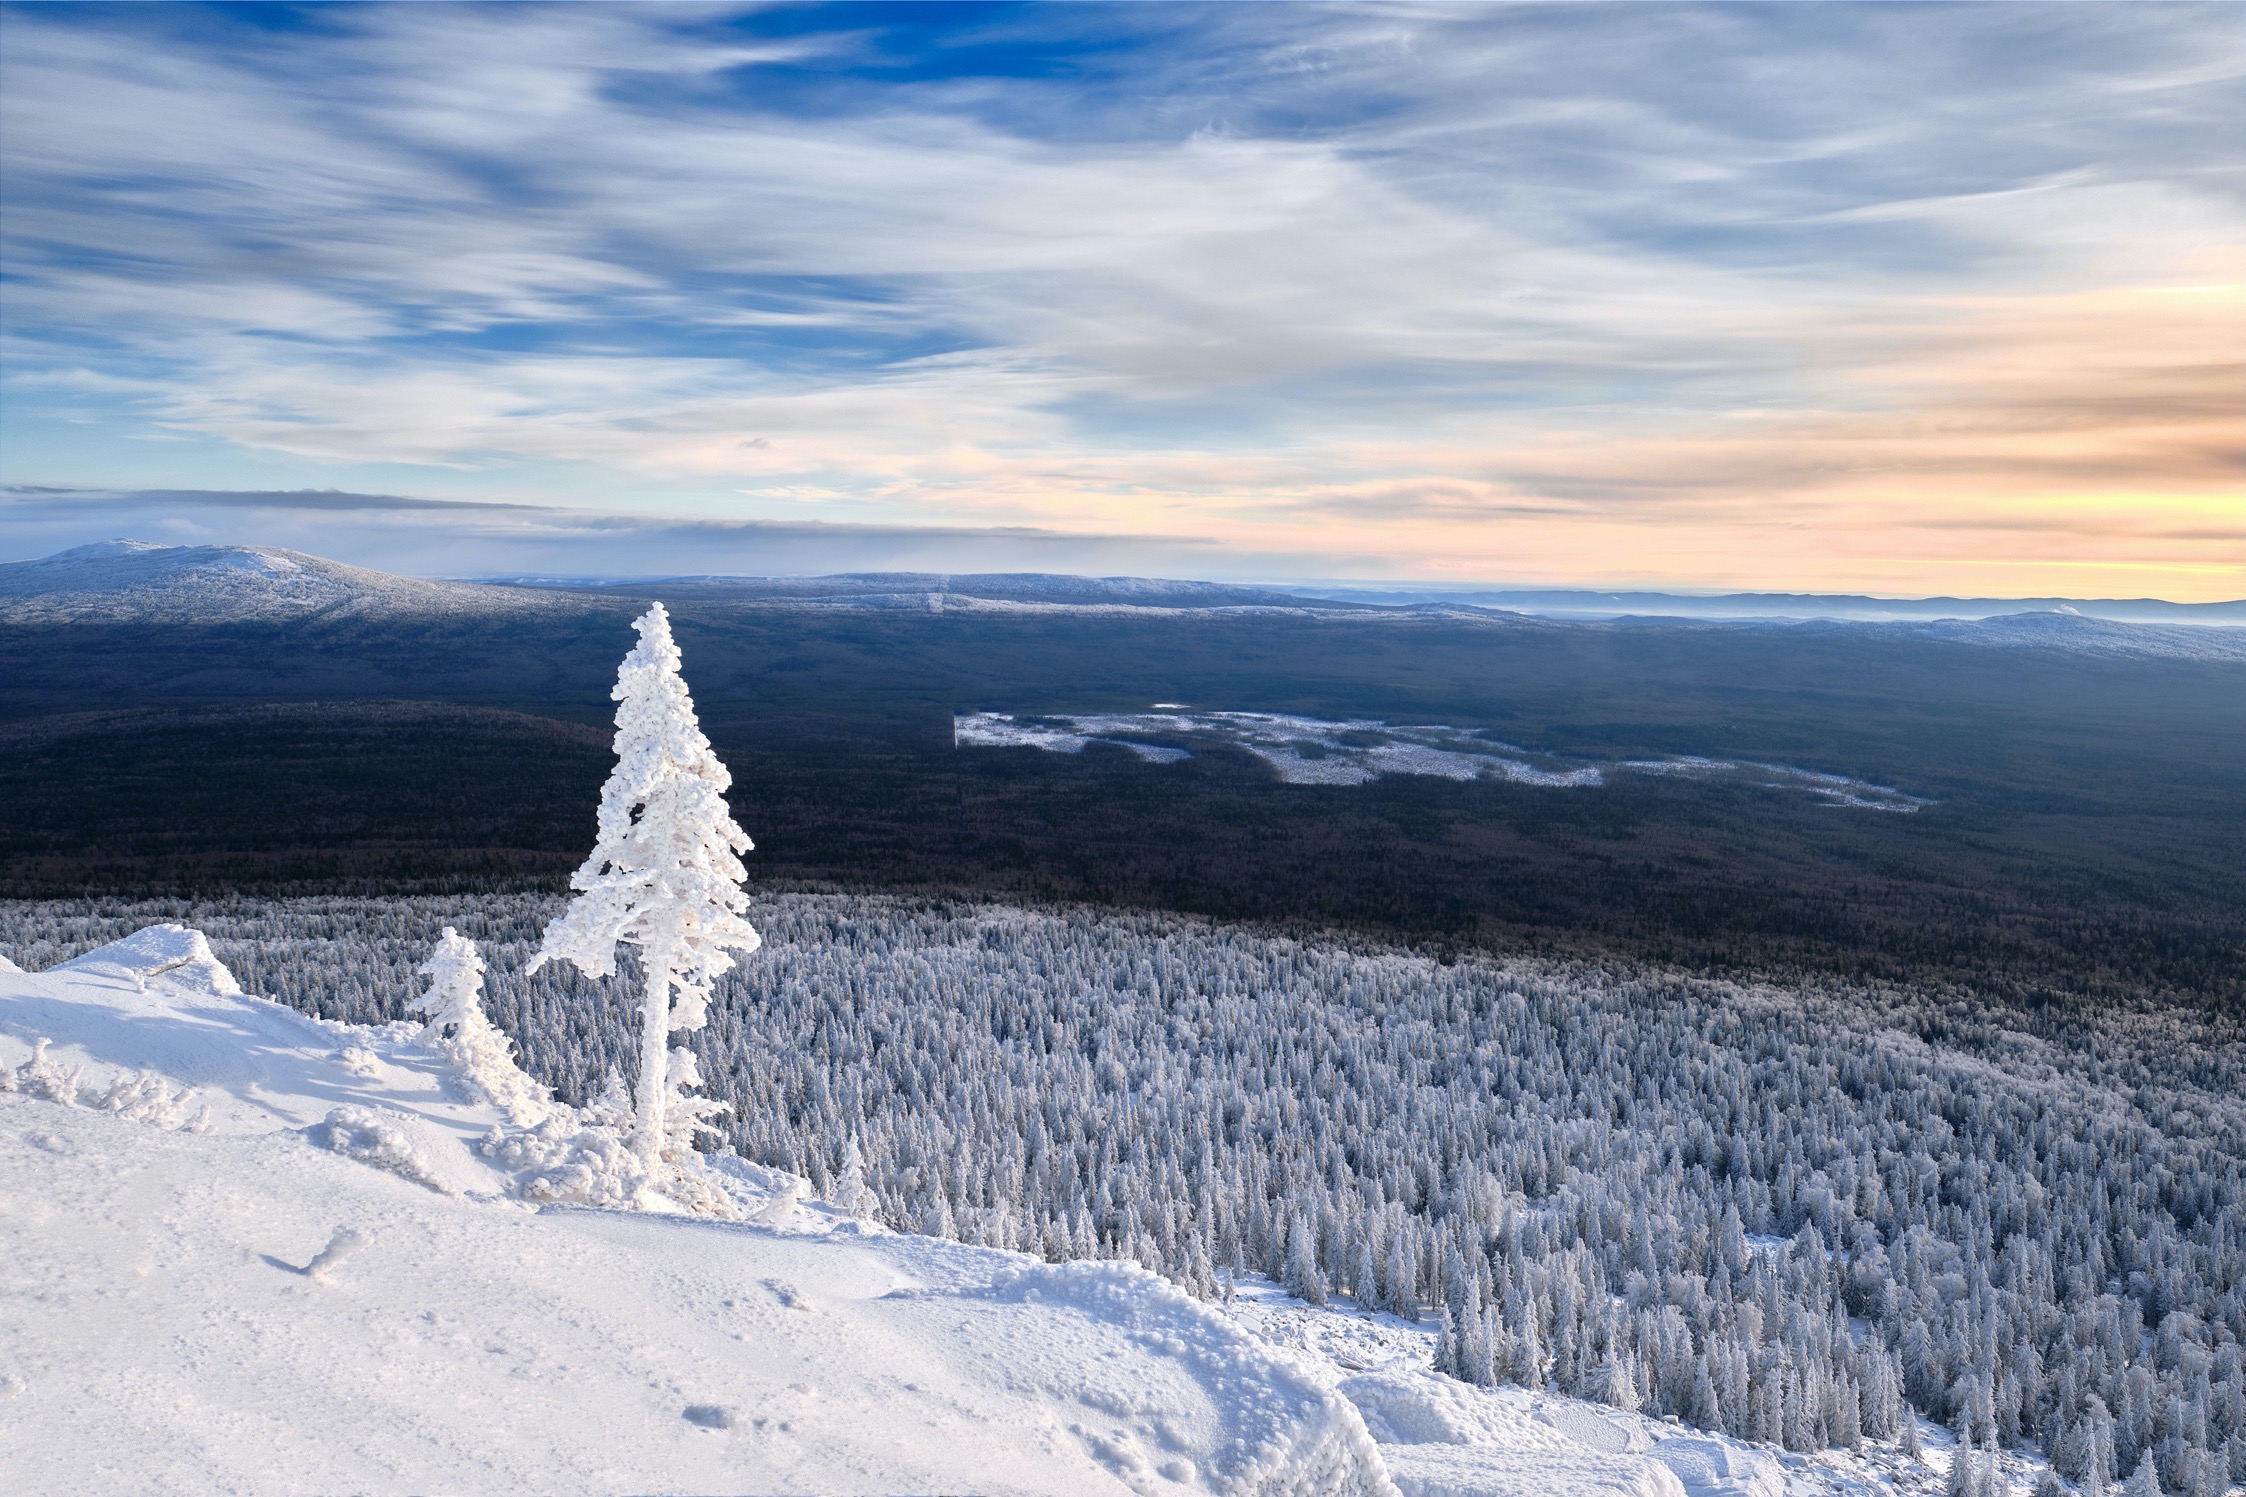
(1764, 292)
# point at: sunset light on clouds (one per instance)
(1900, 299)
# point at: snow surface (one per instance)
(251, 1251)
(139, 582)
(1312, 751)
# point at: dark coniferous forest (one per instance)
(2084, 837)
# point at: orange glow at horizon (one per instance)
(2069, 445)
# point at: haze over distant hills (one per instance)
(1559, 603)
(1586, 603)
(146, 581)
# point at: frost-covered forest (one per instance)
(1786, 1214)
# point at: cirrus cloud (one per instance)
(1773, 296)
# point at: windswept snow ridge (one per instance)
(1312, 751)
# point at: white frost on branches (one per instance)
(664, 875)
(851, 1193)
(458, 1030)
(684, 1114)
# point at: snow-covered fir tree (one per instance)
(456, 1028)
(851, 1193)
(453, 1004)
(665, 871)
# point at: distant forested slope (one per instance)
(2087, 837)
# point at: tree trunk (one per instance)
(654, 1054)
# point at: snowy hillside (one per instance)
(311, 1275)
(136, 581)
(255, 1251)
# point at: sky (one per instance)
(1902, 299)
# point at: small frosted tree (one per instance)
(457, 1029)
(665, 871)
(456, 982)
(1620, 1389)
(851, 1193)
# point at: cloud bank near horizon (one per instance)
(1916, 299)
(446, 538)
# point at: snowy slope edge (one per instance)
(223, 1262)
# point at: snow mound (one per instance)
(1710, 1467)
(1441, 1438)
(565, 1163)
(387, 1140)
(172, 952)
(1289, 1435)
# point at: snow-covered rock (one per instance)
(138, 582)
(172, 952)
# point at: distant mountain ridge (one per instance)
(127, 581)
(1589, 604)
(2188, 631)
(936, 590)
(139, 582)
(889, 589)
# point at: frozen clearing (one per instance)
(251, 1251)
(1313, 751)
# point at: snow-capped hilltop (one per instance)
(127, 581)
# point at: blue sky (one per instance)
(1917, 298)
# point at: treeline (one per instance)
(1790, 1214)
